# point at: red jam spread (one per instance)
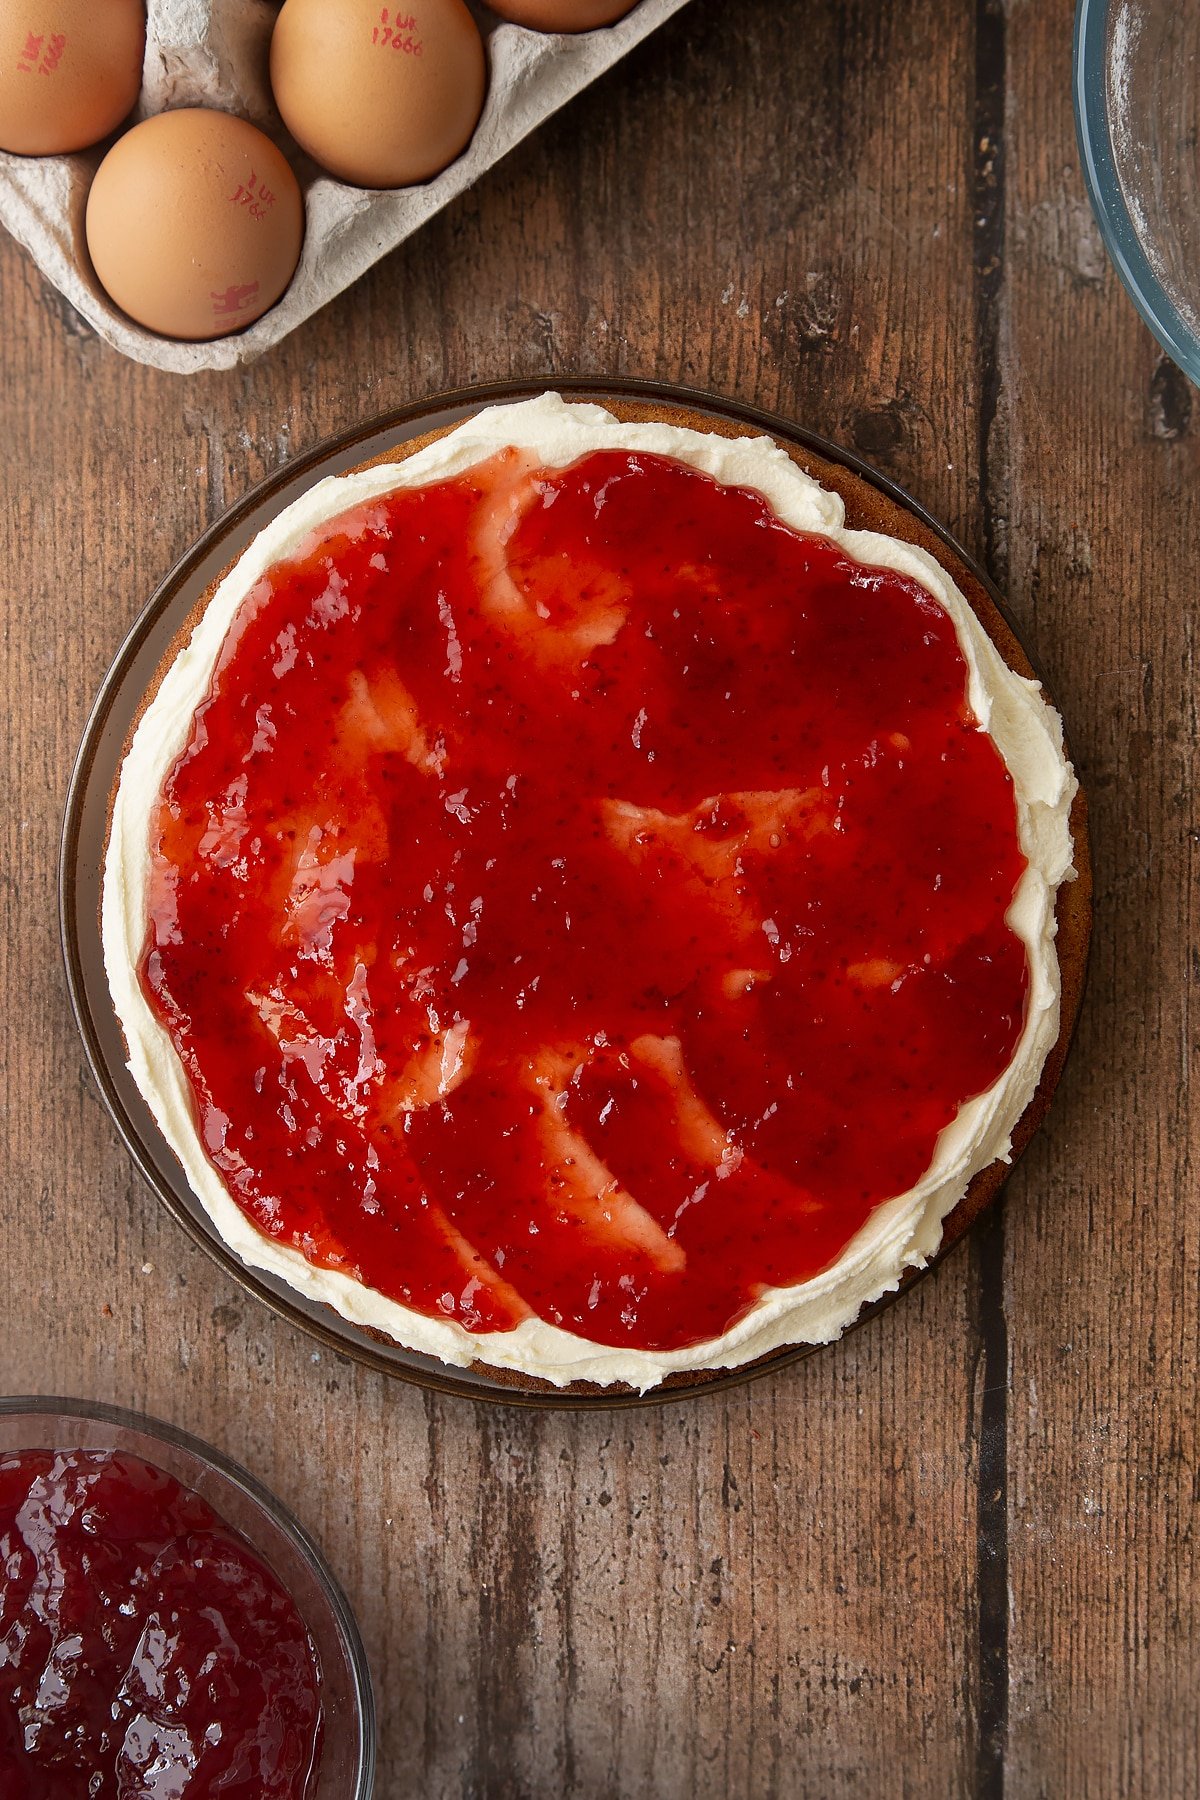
(144, 1648)
(582, 895)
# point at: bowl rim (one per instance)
(1089, 84)
(150, 1429)
(348, 449)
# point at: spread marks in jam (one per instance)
(582, 895)
(144, 1648)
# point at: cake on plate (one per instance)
(576, 906)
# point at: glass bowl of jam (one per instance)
(166, 1627)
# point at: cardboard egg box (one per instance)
(214, 53)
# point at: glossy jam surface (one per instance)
(145, 1651)
(582, 895)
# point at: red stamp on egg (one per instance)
(42, 53)
(254, 195)
(396, 30)
(234, 300)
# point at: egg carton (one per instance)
(214, 53)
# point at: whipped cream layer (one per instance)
(902, 1232)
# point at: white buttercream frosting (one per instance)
(902, 1232)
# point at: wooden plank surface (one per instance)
(956, 1554)
(1104, 1690)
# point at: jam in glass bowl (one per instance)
(166, 1628)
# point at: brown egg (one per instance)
(194, 223)
(562, 15)
(70, 70)
(381, 96)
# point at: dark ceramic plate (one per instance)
(871, 500)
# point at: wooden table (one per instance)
(956, 1554)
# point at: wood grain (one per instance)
(1102, 1423)
(957, 1553)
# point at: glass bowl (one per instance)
(347, 1764)
(1137, 112)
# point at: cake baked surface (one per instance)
(573, 906)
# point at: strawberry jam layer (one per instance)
(144, 1648)
(582, 894)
